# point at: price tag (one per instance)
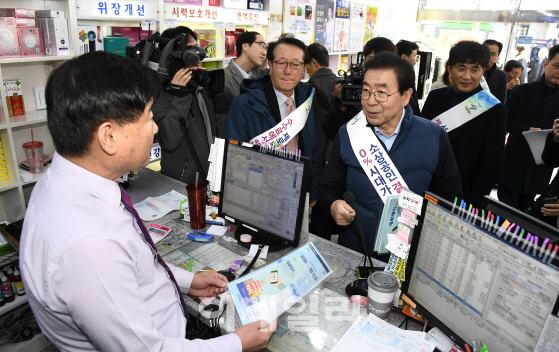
(148, 24)
(229, 27)
(398, 248)
(258, 27)
(410, 201)
(219, 25)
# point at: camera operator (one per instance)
(339, 114)
(186, 116)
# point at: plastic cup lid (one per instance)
(381, 281)
(33, 145)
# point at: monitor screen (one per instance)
(478, 285)
(264, 191)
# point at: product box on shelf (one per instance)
(14, 97)
(206, 37)
(49, 13)
(90, 39)
(132, 33)
(9, 44)
(230, 40)
(55, 35)
(9, 12)
(25, 22)
(30, 41)
(235, 4)
(255, 4)
(196, 2)
(116, 45)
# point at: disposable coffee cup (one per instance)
(34, 155)
(382, 287)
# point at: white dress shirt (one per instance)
(90, 277)
(246, 75)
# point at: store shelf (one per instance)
(36, 177)
(11, 305)
(9, 183)
(18, 60)
(30, 117)
(37, 343)
(214, 59)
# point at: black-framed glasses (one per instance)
(294, 65)
(381, 97)
(263, 45)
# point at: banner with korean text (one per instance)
(374, 160)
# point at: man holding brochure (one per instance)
(384, 149)
(262, 113)
(474, 119)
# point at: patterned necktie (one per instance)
(127, 202)
(293, 142)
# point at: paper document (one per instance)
(156, 207)
(184, 261)
(215, 256)
(217, 230)
(270, 291)
(536, 141)
(374, 334)
(216, 164)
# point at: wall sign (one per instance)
(194, 13)
(117, 9)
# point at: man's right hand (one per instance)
(556, 130)
(182, 77)
(255, 336)
(342, 213)
(338, 94)
(513, 83)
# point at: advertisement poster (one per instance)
(299, 19)
(370, 23)
(357, 26)
(341, 27)
(273, 289)
(324, 25)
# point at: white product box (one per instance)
(55, 34)
(49, 13)
(9, 44)
(90, 38)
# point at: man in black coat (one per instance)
(478, 144)
(408, 51)
(531, 106)
(495, 77)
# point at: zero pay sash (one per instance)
(374, 160)
(288, 128)
(467, 110)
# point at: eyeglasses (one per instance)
(381, 97)
(263, 45)
(294, 65)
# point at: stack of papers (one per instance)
(153, 208)
(374, 334)
(216, 164)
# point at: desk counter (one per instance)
(315, 324)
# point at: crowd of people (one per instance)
(103, 126)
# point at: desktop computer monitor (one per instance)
(264, 193)
(473, 284)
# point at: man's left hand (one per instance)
(550, 210)
(208, 283)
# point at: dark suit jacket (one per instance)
(322, 79)
(532, 104)
(533, 66)
(478, 145)
(524, 74)
(497, 81)
(414, 103)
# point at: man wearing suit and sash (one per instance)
(384, 149)
(473, 118)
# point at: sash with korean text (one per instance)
(466, 111)
(288, 128)
(374, 160)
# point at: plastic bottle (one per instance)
(5, 269)
(2, 299)
(20, 290)
(10, 277)
(5, 286)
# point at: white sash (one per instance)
(467, 110)
(374, 160)
(288, 128)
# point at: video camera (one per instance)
(352, 81)
(167, 56)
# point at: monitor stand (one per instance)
(259, 238)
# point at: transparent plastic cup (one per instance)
(34, 155)
(196, 193)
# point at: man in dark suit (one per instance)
(408, 51)
(495, 77)
(479, 143)
(319, 73)
(531, 106)
(520, 58)
(536, 65)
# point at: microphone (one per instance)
(349, 198)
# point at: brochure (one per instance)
(388, 223)
(272, 290)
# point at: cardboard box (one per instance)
(10, 12)
(2, 163)
(14, 97)
(90, 39)
(1, 154)
(4, 177)
(3, 170)
(30, 41)
(25, 22)
(9, 46)
(49, 13)
(55, 35)
(116, 45)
